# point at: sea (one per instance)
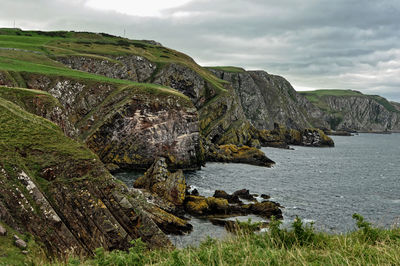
(323, 186)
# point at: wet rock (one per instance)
(158, 180)
(266, 209)
(244, 194)
(195, 192)
(196, 205)
(231, 198)
(235, 154)
(3, 231)
(217, 205)
(265, 196)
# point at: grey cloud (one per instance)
(348, 44)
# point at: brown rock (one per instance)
(158, 180)
(222, 194)
(266, 209)
(244, 194)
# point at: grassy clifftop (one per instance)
(36, 49)
(316, 97)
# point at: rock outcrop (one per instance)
(281, 137)
(222, 205)
(158, 180)
(126, 126)
(243, 154)
(350, 111)
(268, 99)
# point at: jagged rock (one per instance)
(266, 209)
(316, 138)
(244, 194)
(244, 154)
(3, 231)
(233, 226)
(217, 205)
(195, 192)
(347, 110)
(224, 195)
(265, 196)
(196, 205)
(282, 137)
(158, 180)
(267, 99)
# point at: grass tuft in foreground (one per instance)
(300, 244)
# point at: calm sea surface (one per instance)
(324, 185)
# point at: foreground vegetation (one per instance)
(298, 245)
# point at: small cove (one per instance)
(323, 185)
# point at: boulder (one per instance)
(222, 194)
(244, 194)
(217, 205)
(196, 205)
(19, 242)
(265, 196)
(3, 231)
(266, 209)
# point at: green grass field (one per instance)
(34, 51)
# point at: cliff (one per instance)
(59, 191)
(268, 99)
(347, 110)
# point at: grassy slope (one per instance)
(24, 51)
(12, 255)
(299, 246)
(37, 49)
(30, 143)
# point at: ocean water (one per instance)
(361, 174)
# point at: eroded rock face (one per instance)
(221, 122)
(145, 128)
(158, 180)
(362, 113)
(127, 128)
(267, 99)
(60, 192)
(132, 67)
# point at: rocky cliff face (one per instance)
(57, 190)
(126, 126)
(353, 111)
(267, 99)
(222, 119)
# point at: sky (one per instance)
(315, 44)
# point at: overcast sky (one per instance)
(315, 44)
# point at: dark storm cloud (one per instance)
(345, 44)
